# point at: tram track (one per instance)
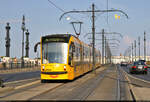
(106, 89)
(19, 83)
(30, 91)
(70, 90)
(79, 89)
(86, 87)
(76, 91)
(27, 89)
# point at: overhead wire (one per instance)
(56, 6)
(62, 10)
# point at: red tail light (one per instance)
(64, 69)
(133, 66)
(145, 67)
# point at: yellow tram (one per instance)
(65, 57)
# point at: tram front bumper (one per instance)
(54, 75)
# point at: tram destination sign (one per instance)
(54, 39)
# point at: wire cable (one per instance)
(56, 6)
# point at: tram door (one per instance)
(71, 54)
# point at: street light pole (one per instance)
(23, 29)
(144, 45)
(106, 50)
(93, 32)
(102, 46)
(135, 48)
(7, 40)
(139, 46)
(27, 43)
(132, 52)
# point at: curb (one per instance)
(6, 89)
(131, 87)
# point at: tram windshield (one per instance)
(54, 52)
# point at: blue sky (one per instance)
(42, 18)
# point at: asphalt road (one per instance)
(19, 76)
(137, 75)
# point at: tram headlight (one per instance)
(64, 68)
(43, 68)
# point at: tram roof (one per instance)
(66, 36)
(59, 35)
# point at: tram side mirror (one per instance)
(36, 45)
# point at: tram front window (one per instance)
(54, 52)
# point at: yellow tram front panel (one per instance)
(55, 71)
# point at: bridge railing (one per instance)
(16, 65)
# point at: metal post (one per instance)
(135, 48)
(129, 53)
(139, 46)
(23, 29)
(110, 55)
(144, 45)
(105, 48)
(102, 46)
(27, 43)
(132, 52)
(93, 31)
(7, 40)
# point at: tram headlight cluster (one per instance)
(43, 68)
(64, 68)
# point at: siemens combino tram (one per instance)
(65, 57)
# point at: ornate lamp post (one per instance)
(7, 40)
(27, 43)
(23, 29)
